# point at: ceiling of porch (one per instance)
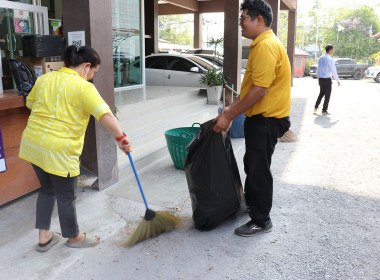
(170, 7)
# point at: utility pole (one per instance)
(303, 36)
(316, 36)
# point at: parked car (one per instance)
(212, 58)
(218, 61)
(200, 51)
(345, 67)
(170, 70)
(175, 69)
(182, 70)
(313, 71)
(374, 72)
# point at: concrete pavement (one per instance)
(326, 211)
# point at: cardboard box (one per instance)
(44, 65)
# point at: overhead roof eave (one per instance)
(171, 7)
(168, 9)
(288, 5)
(190, 5)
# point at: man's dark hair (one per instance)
(329, 47)
(258, 8)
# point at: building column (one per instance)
(232, 43)
(95, 19)
(292, 16)
(198, 26)
(151, 26)
(275, 4)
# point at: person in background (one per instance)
(326, 68)
(61, 103)
(265, 100)
(59, 30)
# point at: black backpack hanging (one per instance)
(24, 76)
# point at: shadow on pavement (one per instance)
(324, 121)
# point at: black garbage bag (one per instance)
(24, 76)
(212, 177)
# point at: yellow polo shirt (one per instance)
(268, 66)
(61, 103)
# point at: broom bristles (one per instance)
(162, 221)
(288, 137)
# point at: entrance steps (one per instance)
(145, 124)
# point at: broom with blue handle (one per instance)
(153, 223)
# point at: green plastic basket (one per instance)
(177, 139)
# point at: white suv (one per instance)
(313, 72)
(374, 72)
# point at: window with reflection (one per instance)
(298, 62)
(126, 39)
(156, 62)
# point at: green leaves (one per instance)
(213, 77)
(215, 42)
(353, 39)
(175, 29)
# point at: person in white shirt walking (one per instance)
(326, 69)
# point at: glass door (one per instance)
(127, 43)
(16, 20)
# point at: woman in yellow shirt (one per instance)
(61, 103)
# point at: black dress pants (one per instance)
(261, 136)
(58, 188)
(325, 90)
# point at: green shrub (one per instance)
(213, 77)
(308, 63)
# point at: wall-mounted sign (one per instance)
(76, 38)
(38, 70)
(3, 165)
(21, 14)
(21, 25)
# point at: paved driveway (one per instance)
(326, 211)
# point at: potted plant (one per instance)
(213, 79)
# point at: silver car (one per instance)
(175, 70)
(313, 71)
(212, 58)
(374, 72)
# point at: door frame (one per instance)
(29, 8)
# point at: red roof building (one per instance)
(299, 62)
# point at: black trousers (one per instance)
(325, 91)
(260, 140)
(63, 190)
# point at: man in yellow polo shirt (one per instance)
(265, 100)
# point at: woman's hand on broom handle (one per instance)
(125, 145)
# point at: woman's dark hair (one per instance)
(329, 47)
(74, 57)
(258, 8)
